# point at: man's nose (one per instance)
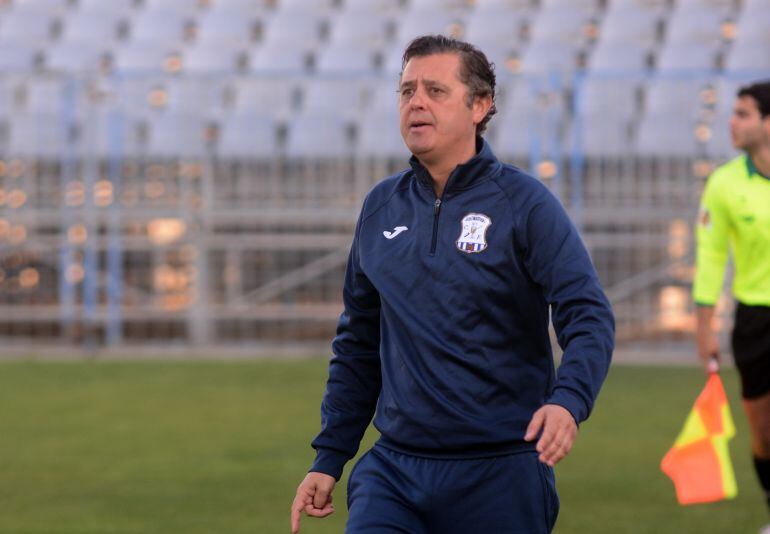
(418, 99)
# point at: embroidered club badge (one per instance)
(473, 233)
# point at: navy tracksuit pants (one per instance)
(390, 492)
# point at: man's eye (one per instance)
(436, 90)
(406, 92)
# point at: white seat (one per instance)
(321, 6)
(379, 136)
(280, 58)
(752, 24)
(384, 99)
(376, 7)
(506, 4)
(619, 56)
(630, 24)
(564, 26)
(667, 135)
(294, 27)
(749, 55)
(140, 56)
(110, 133)
(25, 26)
(501, 26)
(75, 57)
(681, 98)
(202, 58)
(248, 137)
(687, 56)
(319, 136)
(17, 56)
(341, 58)
(176, 136)
(266, 96)
(549, 57)
(221, 27)
(357, 27)
(117, 6)
(696, 26)
(415, 23)
(161, 27)
(36, 135)
(345, 96)
(97, 28)
(195, 96)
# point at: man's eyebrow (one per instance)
(407, 84)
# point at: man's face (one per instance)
(435, 118)
(747, 128)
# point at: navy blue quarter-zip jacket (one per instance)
(445, 329)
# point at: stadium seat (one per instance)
(630, 24)
(280, 58)
(341, 58)
(506, 4)
(414, 23)
(345, 96)
(203, 58)
(383, 99)
(266, 96)
(117, 6)
(43, 7)
(753, 23)
(173, 136)
(47, 96)
(687, 56)
(134, 57)
(75, 57)
(391, 60)
(163, 28)
(303, 5)
(25, 26)
(109, 133)
(380, 137)
(221, 27)
(185, 7)
(619, 57)
(569, 25)
(248, 137)
(194, 96)
(244, 6)
(17, 57)
(667, 135)
(94, 28)
(749, 55)
(694, 26)
(297, 27)
(437, 5)
(374, 6)
(549, 57)
(498, 28)
(34, 136)
(681, 98)
(356, 27)
(590, 6)
(319, 136)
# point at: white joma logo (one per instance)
(397, 230)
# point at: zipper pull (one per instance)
(436, 206)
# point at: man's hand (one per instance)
(559, 432)
(706, 339)
(314, 497)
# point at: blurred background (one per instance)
(184, 175)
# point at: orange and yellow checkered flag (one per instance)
(699, 462)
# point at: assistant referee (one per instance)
(735, 215)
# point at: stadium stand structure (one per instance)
(189, 172)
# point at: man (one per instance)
(735, 213)
(453, 267)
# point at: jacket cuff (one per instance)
(329, 462)
(571, 401)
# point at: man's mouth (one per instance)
(418, 124)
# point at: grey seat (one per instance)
(19, 25)
(501, 27)
(690, 25)
(341, 58)
(38, 135)
(749, 55)
(75, 57)
(343, 96)
(205, 58)
(667, 135)
(276, 97)
(173, 136)
(687, 56)
(298, 27)
(162, 27)
(96, 28)
(631, 24)
(379, 136)
(280, 58)
(414, 23)
(360, 27)
(17, 56)
(218, 28)
(619, 56)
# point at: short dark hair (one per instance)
(476, 71)
(759, 91)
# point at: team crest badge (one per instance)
(473, 233)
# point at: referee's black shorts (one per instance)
(751, 349)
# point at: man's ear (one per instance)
(480, 108)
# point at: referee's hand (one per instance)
(314, 497)
(559, 431)
(708, 350)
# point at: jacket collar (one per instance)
(752, 169)
(477, 169)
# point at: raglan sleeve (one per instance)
(711, 237)
(559, 263)
(354, 381)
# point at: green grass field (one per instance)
(219, 447)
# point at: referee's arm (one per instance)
(712, 243)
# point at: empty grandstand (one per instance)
(189, 171)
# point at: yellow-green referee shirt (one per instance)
(735, 215)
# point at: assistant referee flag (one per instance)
(699, 462)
